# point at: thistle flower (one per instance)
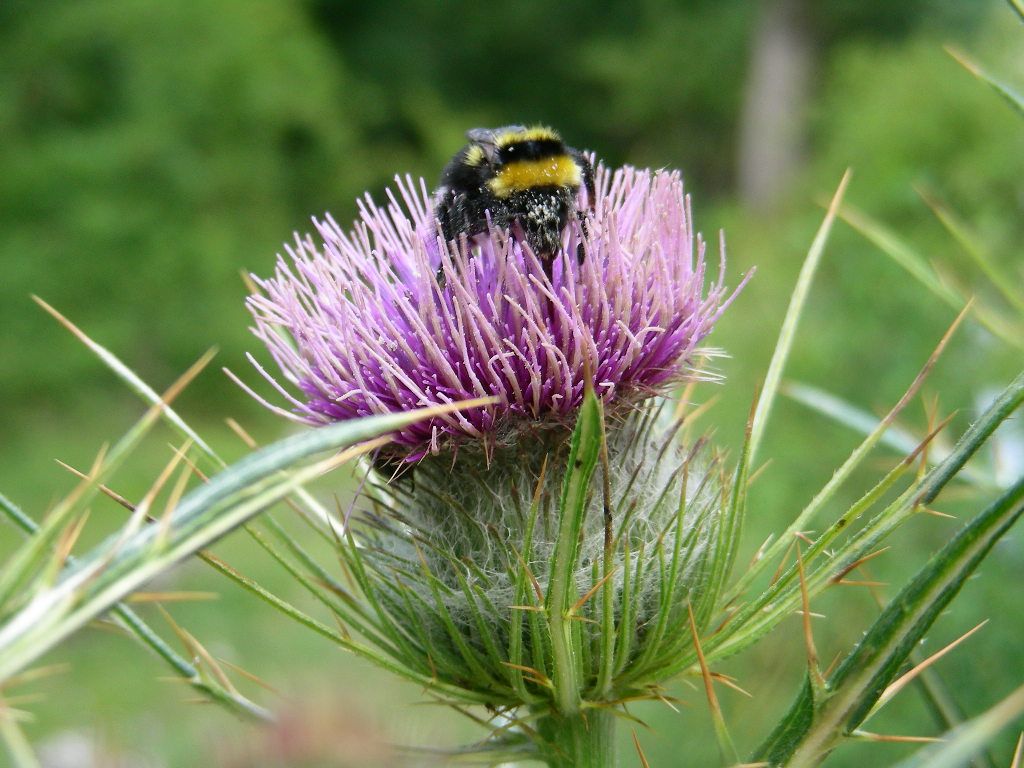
(389, 317)
(474, 574)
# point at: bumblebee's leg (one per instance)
(439, 276)
(581, 252)
(588, 175)
(588, 184)
(547, 262)
(443, 213)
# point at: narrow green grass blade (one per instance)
(731, 523)
(846, 413)
(790, 322)
(915, 264)
(960, 745)
(861, 421)
(1011, 97)
(876, 661)
(128, 376)
(896, 249)
(969, 242)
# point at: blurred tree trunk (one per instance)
(774, 116)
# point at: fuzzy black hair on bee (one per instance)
(525, 179)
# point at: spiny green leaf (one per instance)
(731, 525)
(860, 680)
(145, 634)
(583, 457)
(117, 567)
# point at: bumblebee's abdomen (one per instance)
(541, 212)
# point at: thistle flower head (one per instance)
(460, 566)
(389, 317)
(475, 571)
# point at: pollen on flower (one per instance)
(387, 316)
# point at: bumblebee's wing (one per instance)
(487, 139)
(488, 136)
(481, 135)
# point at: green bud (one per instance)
(461, 557)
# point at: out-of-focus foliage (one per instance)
(151, 150)
(924, 121)
(907, 119)
(903, 140)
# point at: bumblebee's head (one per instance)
(523, 158)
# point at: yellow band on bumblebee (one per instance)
(558, 171)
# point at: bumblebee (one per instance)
(526, 179)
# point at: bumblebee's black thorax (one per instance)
(516, 175)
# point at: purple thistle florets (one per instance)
(389, 317)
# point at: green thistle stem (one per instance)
(584, 740)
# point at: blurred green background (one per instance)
(152, 151)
